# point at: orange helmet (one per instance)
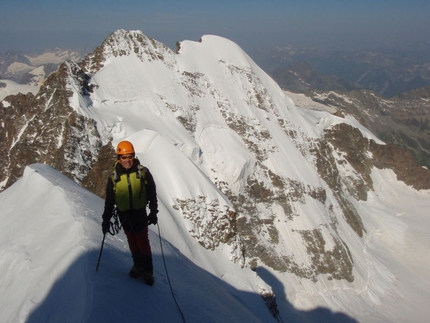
(125, 148)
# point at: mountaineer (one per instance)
(129, 190)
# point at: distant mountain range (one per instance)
(33, 68)
(386, 72)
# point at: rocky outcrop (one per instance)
(403, 120)
(45, 129)
(402, 163)
(96, 179)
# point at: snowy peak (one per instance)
(126, 43)
(123, 42)
(237, 126)
(214, 48)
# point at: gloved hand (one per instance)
(152, 218)
(105, 226)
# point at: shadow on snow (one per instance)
(291, 314)
(82, 295)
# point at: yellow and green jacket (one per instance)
(131, 191)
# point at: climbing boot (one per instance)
(136, 272)
(148, 278)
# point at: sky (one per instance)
(36, 25)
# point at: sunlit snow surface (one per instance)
(13, 88)
(50, 242)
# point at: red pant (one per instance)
(139, 242)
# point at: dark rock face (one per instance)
(402, 163)
(45, 129)
(15, 111)
(96, 179)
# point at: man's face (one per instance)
(126, 161)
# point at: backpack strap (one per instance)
(114, 176)
(141, 172)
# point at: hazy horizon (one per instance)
(35, 26)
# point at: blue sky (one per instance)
(35, 25)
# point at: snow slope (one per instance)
(50, 240)
(50, 243)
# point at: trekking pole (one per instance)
(100, 254)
